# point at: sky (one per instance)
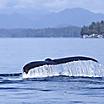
(52, 5)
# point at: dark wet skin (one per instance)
(49, 61)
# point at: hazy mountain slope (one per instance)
(33, 19)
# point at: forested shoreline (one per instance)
(95, 29)
(70, 31)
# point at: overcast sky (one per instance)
(53, 5)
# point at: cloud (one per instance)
(3, 3)
(54, 5)
(93, 5)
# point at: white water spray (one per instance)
(75, 68)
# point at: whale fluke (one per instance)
(49, 61)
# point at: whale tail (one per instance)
(49, 61)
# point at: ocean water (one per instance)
(16, 52)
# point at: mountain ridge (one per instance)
(32, 19)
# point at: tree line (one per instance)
(70, 31)
(93, 28)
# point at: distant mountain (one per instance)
(37, 19)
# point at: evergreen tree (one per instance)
(94, 28)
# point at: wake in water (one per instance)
(87, 68)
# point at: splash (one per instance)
(75, 68)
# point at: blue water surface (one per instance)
(16, 52)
